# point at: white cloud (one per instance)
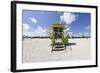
(66, 31)
(79, 34)
(25, 27)
(87, 27)
(40, 31)
(82, 34)
(37, 32)
(87, 34)
(33, 20)
(27, 33)
(70, 34)
(68, 17)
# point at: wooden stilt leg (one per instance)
(70, 48)
(52, 49)
(65, 47)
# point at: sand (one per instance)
(39, 50)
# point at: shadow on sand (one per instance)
(70, 44)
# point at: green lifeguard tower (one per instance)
(57, 36)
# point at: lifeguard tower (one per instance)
(59, 40)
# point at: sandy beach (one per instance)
(39, 50)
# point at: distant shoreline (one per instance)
(49, 37)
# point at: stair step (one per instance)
(61, 49)
(59, 46)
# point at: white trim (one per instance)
(52, 64)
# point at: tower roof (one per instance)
(58, 26)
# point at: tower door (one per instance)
(58, 33)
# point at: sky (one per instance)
(37, 23)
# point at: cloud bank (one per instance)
(39, 31)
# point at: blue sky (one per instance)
(38, 22)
